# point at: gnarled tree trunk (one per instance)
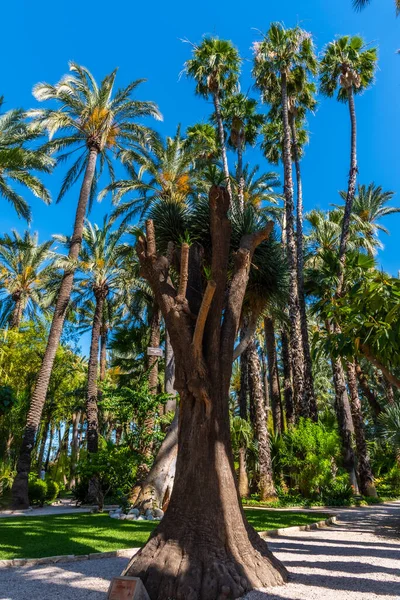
(20, 486)
(204, 549)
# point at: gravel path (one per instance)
(356, 559)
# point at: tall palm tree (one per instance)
(25, 268)
(280, 53)
(215, 67)
(347, 67)
(100, 124)
(18, 160)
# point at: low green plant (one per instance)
(37, 491)
(53, 490)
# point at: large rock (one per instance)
(134, 511)
(130, 517)
(158, 513)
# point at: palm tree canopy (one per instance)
(166, 173)
(282, 51)
(360, 4)
(240, 116)
(348, 63)
(215, 66)
(25, 269)
(17, 161)
(90, 115)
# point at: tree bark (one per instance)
(16, 316)
(308, 376)
(275, 392)
(46, 464)
(370, 395)
(367, 486)
(103, 351)
(76, 419)
(267, 487)
(239, 174)
(345, 421)
(20, 486)
(301, 406)
(46, 426)
(189, 556)
(287, 377)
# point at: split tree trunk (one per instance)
(308, 376)
(275, 392)
(204, 549)
(20, 486)
(301, 406)
(267, 487)
(367, 486)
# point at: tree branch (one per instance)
(248, 335)
(151, 238)
(202, 317)
(184, 272)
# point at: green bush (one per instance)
(337, 492)
(308, 458)
(116, 467)
(37, 491)
(53, 490)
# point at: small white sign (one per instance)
(155, 351)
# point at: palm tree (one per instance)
(360, 4)
(369, 208)
(25, 268)
(281, 53)
(348, 68)
(88, 118)
(240, 116)
(215, 67)
(17, 161)
(166, 174)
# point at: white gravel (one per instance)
(356, 559)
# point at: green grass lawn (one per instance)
(82, 533)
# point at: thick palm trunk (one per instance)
(345, 421)
(46, 464)
(38, 398)
(367, 486)
(16, 316)
(370, 395)
(287, 378)
(308, 376)
(267, 487)
(301, 406)
(275, 392)
(103, 351)
(190, 556)
(221, 135)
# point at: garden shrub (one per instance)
(308, 459)
(53, 490)
(37, 491)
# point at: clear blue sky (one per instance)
(144, 40)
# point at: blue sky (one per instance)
(144, 40)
